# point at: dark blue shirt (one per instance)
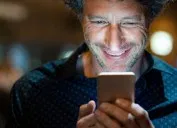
(50, 96)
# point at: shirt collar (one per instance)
(156, 63)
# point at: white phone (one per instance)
(113, 85)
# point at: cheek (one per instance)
(98, 36)
(135, 35)
(94, 34)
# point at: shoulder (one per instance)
(42, 73)
(37, 78)
(164, 93)
(30, 85)
(40, 97)
(50, 92)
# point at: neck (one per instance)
(86, 66)
(140, 67)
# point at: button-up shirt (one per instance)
(50, 96)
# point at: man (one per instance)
(62, 94)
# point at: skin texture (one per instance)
(112, 27)
(115, 32)
(121, 114)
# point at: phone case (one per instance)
(113, 85)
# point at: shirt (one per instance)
(50, 96)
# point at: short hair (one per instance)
(153, 7)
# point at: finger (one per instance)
(99, 125)
(87, 121)
(106, 120)
(87, 109)
(92, 105)
(117, 113)
(132, 123)
(141, 115)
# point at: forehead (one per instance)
(110, 1)
(112, 5)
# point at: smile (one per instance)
(119, 54)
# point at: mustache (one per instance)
(124, 46)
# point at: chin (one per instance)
(115, 68)
(120, 69)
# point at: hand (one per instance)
(123, 114)
(87, 118)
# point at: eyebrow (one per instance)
(134, 17)
(90, 17)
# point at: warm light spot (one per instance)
(12, 11)
(161, 43)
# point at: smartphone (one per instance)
(113, 85)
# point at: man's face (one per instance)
(115, 33)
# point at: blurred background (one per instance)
(33, 32)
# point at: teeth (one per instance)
(116, 54)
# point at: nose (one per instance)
(114, 37)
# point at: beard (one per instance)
(103, 65)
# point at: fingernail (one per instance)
(91, 102)
(130, 116)
(118, 101)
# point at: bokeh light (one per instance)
(161, 43)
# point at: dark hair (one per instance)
(153, 7)
(76, 6)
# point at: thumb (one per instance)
(87, 109)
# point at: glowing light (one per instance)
(19, 57)
(11, 11)
(65, 54)
(161, 43)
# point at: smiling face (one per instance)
(115, 32)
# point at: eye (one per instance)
(99, 22)
(129, 24)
